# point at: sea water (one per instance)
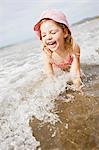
(25, 91)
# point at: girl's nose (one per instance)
(48, 37)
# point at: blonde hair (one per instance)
(68, 39)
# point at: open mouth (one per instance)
(51, 44)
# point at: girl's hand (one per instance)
(46, 49)
(79, 85)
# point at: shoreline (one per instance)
(85, 20)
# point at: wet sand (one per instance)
(78, 128)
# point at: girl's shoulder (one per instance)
(76, 48)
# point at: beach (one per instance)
(33, 114)
(79, 120)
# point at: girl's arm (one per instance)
(75, 69)
(46, 59)
(47, 65)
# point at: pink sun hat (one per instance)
(53, 14)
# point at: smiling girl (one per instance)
(61, 52)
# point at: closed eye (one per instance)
(43, 35)
(53, 32)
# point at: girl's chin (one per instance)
(53, 48)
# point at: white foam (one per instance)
(87, 36)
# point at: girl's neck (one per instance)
(62, 52)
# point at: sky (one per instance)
(17, 17)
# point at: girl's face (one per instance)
(53, 35)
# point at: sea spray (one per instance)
(22, 102)
(15, 131)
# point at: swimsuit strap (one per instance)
(64, 64)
